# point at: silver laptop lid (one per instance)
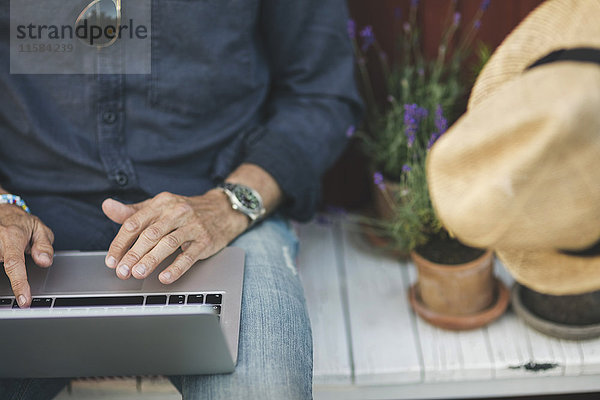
(83, 276)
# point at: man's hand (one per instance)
(201, 226)
(154, 229)
(22, 233)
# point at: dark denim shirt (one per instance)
(268, 82)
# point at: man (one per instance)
(255, 93)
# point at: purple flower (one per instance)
(413, 115)
(391, 98)
(484, 5)
(456, 19)
(406, 27)
(378, 180)
(406, 168)
(368, 37)
(434, 137)
(350, 131)
(351, 29)
(477, 24)
(441, 125)
(421, 72)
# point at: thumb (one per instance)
(117, 211)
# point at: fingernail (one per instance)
(123, 271)
(166, 277)
(140, 269)
(22, 300)
(111, 262)
(45, 257)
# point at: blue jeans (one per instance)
(275, 345)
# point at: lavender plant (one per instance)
(423, 96)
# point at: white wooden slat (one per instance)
(573, 357)
(383, 337)
(317, 266)
(542, 349)
(432, 349)
(451, 355)
(526, 386)
(427, 336)
(478, 362)
(546, 350)
(509, 349)
(511, 344)
(521, 338)
(591, 355)
(507, 353)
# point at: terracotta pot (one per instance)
(464, 296)
(381, 199)
(382, 209)
(381, 243)
(456, 289)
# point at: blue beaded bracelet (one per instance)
(16, 200)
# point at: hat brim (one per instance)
(553, 272)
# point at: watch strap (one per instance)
(237, 204)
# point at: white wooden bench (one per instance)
(368, 344)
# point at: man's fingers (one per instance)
(117, 211)
(165, 233)
(127, 235)
(41, 245)
(13, 246)
(165, 247)
(182, 263)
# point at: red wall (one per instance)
(347, 183)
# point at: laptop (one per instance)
(84, 321)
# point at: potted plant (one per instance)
(456, 288)
(571, 317)
(420, 96)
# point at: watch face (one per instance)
(246, 197)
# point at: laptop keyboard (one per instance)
(212, 300)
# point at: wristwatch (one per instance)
(245, 200)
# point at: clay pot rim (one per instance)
(462, 322)
(489, 253)
(554, 329)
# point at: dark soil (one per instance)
(582, 309)
(445, 250)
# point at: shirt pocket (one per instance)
(201, 54)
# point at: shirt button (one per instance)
(122, 178)
(109, 117)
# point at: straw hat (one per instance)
(520, 171)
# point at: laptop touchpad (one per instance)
(76, 273)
